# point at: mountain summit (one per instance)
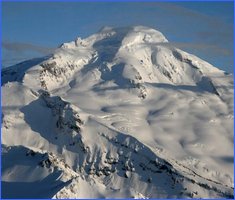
(119, 114)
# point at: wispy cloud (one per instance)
(22, 47)
(203, 27)
(15, 52)
(213, 49)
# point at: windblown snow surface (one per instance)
(120, 114)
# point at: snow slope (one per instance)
(120, 114)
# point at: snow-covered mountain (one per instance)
(120, 114)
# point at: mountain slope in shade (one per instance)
(120, 114)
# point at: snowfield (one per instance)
(120, 114)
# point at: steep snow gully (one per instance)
(120, 114)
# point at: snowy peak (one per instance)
(128, 57)
(120, 36)
(137, 51)
(119, 108)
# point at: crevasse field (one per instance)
(120, 114)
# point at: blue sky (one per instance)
(32, 29)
